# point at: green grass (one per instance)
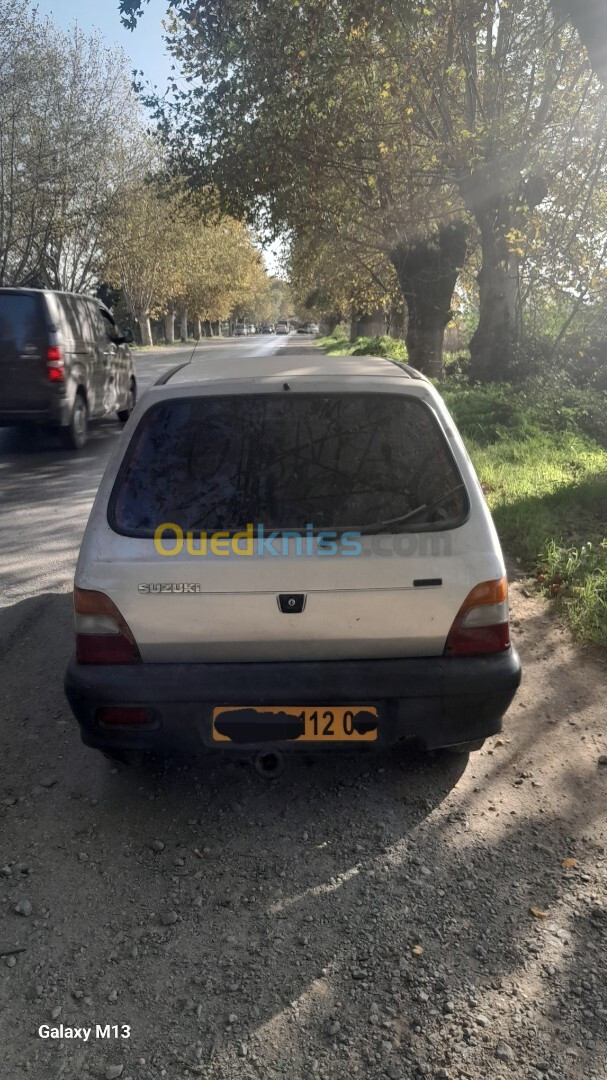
(540, 451)
(545, 480)
(548, 496)
(374, 346)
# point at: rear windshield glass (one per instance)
(21, 319)
(334, 461)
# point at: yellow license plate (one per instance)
(292, 723)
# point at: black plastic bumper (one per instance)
(433, 702)
(56, 414)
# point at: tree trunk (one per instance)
(216, 328)
(169, 326)
(145, 329)
(197, 329)
(368, 324)
(397, 323)
(427, 273)
(208, 329)
(496, 339)
(183, 324)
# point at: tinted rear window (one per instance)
(21, 319)
(335, 461)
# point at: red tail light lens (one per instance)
(125, 717)
(481, 625)
(55, 364)
(102, 635)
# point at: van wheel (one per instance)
(76, 433)
(123, 414)
(466, 747)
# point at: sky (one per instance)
(144, 46)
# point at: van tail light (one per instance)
(55, 364)
(481, 624)
(102, 635)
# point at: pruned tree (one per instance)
(400, 123)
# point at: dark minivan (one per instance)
(63, 362)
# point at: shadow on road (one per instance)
(272, 912)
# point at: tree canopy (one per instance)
(69, 123)
(411, 131)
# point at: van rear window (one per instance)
(21, 319)
(287, 461)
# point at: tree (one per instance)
(588, 17)
(403, 123)
(69, 123)
(225, 273)
(334, 282)
(143, 256)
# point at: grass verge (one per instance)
(540, 451)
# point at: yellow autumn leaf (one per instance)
(417, 950)
(302, 54)
(568, 864)
(538, 914)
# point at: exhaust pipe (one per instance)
(270, 764)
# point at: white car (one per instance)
(290, 554)
(282, 328)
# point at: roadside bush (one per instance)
(340, 332)
(382, 345)
(501, 410)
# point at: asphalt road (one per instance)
(47, 492)
(367, 917)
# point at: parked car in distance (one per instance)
(256, 650)
(63, 362)
(282, 328)
(308, 328)
(267, 328)
(240, 330)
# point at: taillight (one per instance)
(126, 716)
(481, 624)
(55, 364)
(102, 635)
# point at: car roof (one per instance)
(286, 366)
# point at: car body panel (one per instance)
(363, 606)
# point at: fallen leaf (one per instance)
(568, 864)
(538, 914)
(417, 950)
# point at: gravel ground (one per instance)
(358, 917)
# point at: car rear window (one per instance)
(287, 461)
(21, 319)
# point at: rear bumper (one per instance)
(56, 413)
(432, 702)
